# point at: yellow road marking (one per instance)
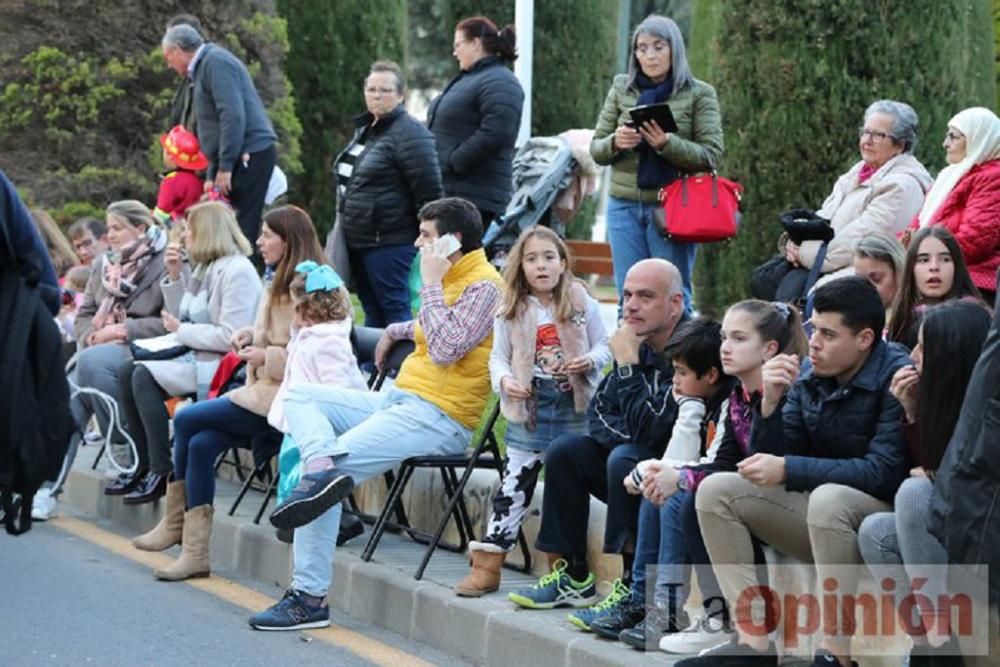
(230, 591)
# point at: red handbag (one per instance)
(701, 209)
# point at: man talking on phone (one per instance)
(346, 436)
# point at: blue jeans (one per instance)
(660, 543)
(380, 276)
(376, 431)
(203, 431)
(634, 236)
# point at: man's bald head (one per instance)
(653, 300)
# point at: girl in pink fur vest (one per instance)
(549, 348)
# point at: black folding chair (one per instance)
(484, 454)
(268, 445)
(364, 340)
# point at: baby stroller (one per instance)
(544, 169)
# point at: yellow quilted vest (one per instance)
(460, 389)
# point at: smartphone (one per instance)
(447, 244)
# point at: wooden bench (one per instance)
(591, 257)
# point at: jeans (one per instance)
(660, 543)
(576, 468)
(898, 546)
(634, 236)
(97, 368)
(376, 431)
(203, 431)
(381, 276)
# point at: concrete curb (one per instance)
(484, 631)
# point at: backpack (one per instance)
(35, 418)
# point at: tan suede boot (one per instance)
(169, 530)
(194, 560)
(487, 559)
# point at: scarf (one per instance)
(981, 128)
(121, 274)
(654, 172)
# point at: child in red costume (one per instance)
(181, 187)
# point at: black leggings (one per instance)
(146, 415)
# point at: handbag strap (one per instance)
(813, 277)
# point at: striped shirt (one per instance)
(345, 166)
(452, 333)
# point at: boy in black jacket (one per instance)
(701, 389)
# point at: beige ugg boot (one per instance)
(487, 559)
(194, 560)
(169, 530)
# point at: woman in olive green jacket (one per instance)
(646, 159)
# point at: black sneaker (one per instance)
(315, 494)
(350, 527)
(732, 655)
(824, 658)
(623, 616)
(658, 622)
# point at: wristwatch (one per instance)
(625, 371)
(682, 480)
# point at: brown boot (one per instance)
(168, 531)
(194, 561)
(487, 559)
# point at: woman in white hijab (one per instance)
(965, 197)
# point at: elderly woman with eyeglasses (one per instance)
(645, 159)
(388, 171)
(878, 195)
(965, 197)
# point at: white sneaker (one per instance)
(43, 506)
(703, 633)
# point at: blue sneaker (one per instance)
(291, 613)
(620, 595)
(556, 589)
(315, 494)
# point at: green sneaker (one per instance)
(556, 589)
(620, 594)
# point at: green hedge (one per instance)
(794, 79)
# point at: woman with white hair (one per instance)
(647, 158)
(880, 194)
(965, 197)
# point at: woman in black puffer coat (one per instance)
(387, 172)
(476, 119)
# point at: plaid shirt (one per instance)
(452, 333)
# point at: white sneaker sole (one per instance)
(300, 626)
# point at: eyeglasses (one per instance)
(379, 91)
(874, 135)
(952, 137)
(656, 48)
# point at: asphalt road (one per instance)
(67, 601)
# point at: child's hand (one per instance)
(778, 374)
(580, 365)
(660, 482)
(630, 485)
(905, 386)
(514, 389)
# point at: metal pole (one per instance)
(524, 24)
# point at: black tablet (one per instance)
(659, 112)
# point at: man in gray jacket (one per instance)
(232, 124)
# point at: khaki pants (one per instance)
(818, 527)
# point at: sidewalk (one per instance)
(485, 631)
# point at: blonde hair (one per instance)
(215, 233)
(319, 306)
(131, 212)
(517, 283)
(77, 278)
(779, 322)
(60, 250)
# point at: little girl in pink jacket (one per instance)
(320, 348)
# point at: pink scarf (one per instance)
(120, 279)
